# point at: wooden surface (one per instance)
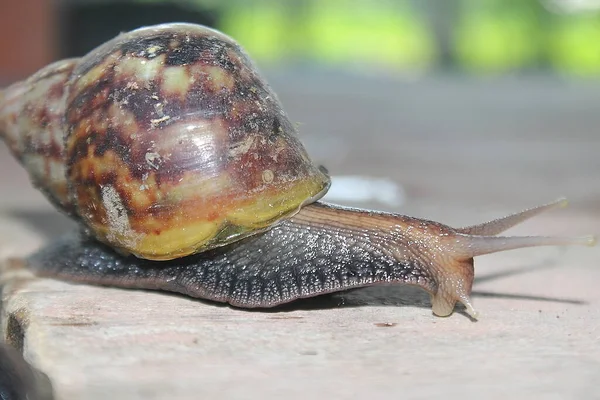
(463, 152)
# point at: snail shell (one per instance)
(165, 142)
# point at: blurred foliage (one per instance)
(574, 45)
(481, 36)
(332, 32)
(498, 36)
(387, 36)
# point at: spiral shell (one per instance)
(164, 142)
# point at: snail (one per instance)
(186, 175)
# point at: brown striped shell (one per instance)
(164, 141)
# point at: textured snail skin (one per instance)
(298, 258)
(322, 249)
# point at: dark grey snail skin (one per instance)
(322, 249)
(288, 262)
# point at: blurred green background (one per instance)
(395, 37)
(409, 36)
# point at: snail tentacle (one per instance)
(500, 225)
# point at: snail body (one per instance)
(186, 175)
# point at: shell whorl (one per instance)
(31, 124)
(173, 143)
